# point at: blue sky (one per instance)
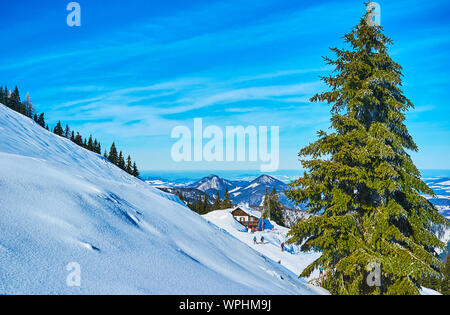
(135, 69)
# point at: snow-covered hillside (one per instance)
(292, 258)
(60, 204)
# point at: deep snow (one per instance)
(60, 204)
(292, 258)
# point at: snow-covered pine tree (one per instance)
(362, 182)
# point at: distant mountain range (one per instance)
(441, 199)
(251, 192)
(213, 184)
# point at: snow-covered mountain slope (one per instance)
(61, 204)
(213, 184)
(292, 258)
(253, 193)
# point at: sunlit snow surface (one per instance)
(60, 204)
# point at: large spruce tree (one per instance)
(361, 181)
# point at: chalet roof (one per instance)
(248, 210)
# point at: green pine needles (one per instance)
(360, 181)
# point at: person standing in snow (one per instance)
(254, 240)
(282, 247)
(262, 239)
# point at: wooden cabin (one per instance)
(247, 216)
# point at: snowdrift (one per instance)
(61, 204)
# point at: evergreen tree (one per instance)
(205, 207)
(29, 110)
(445, 286)
(99, 148)
(5, 96)
(14, 100)
(41, 120)
(79, 139)
(72, 136)
(362, 183)
(90, 144)
(276, 208)
(2, 95)
(113, 157)
(135, 171)
(121, 161)
(227, 204)
(67, 132)
(217, 203)
(95, 146)
(58, 129)
(197, 205)
(129, 167)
